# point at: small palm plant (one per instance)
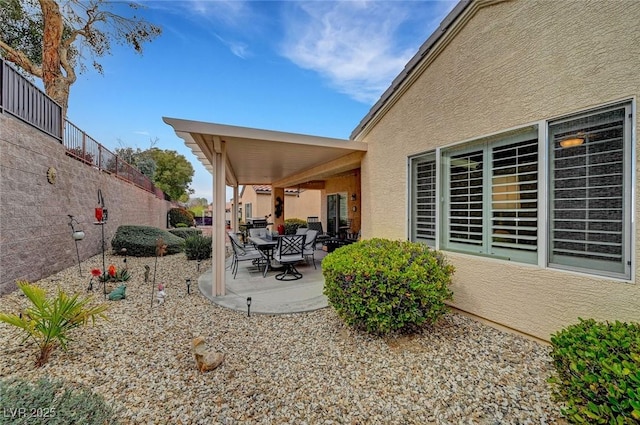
(48, 321)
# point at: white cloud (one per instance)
(358, 46)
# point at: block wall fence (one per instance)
(35, 236)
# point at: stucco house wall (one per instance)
(509, 64)
(303, 206)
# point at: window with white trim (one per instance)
(490, 191)
(423, 199)
(590, 192)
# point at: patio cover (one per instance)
(244, 156)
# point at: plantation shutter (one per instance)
(466, 198)
(514, 196)
(588, 220)
(424, 200)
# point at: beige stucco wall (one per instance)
(308, 204)
(512, 63)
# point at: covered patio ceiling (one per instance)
(255, 156)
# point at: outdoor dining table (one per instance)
(266, 246)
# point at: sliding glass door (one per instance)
(336, 212)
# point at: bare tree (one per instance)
(46, 37)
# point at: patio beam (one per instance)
(348, 162)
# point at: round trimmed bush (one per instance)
(179, 216)
(597, 375)
(291, 225)
(382, 286)
(140, 241)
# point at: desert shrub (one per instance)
(184, 233)
(597, 367)
(180, 215)
(53, 402)
(198, 247)
(291, 225)
(140, 241)
(382, 286)
(48, 321)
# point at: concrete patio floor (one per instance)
(268, 295)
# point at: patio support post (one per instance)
(234, 210)
(277, 203)
(218, 232)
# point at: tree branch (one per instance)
(20, 59)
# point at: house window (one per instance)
(488, 199)
(248, 211)
(590, 186)
(423, 198)
(490, 193)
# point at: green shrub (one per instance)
(382, 286)
(597, 375)
(198, 247)
(291, 225)
(52, 402)
(140, 241)
(184, 233)
(182, 225)
(180, 215)
(47, 321)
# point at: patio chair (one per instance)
(289, 251)
(321, 235)
(302, 230)
(241, 253)
(310, 246)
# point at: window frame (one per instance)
(487, 146)
(628, 197)
(542, 132)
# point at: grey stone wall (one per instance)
(35, 238)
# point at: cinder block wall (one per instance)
(35, 238)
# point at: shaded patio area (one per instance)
(268, 295)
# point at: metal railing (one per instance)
(22, 99)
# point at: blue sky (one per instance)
(312, 67)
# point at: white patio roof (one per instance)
(256, 156)
(242, 156)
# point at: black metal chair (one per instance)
(310, 246)
(289, 251)
(317, 226)
(241, 253)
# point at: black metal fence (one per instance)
(22, 99)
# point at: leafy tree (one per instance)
(173, 173)
(46, 38)
(198, 206)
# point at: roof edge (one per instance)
(410, 67)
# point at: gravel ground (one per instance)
(287, 369)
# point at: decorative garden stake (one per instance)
(77, 235)
(101, 218)
(188, 286)
(248, 306)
